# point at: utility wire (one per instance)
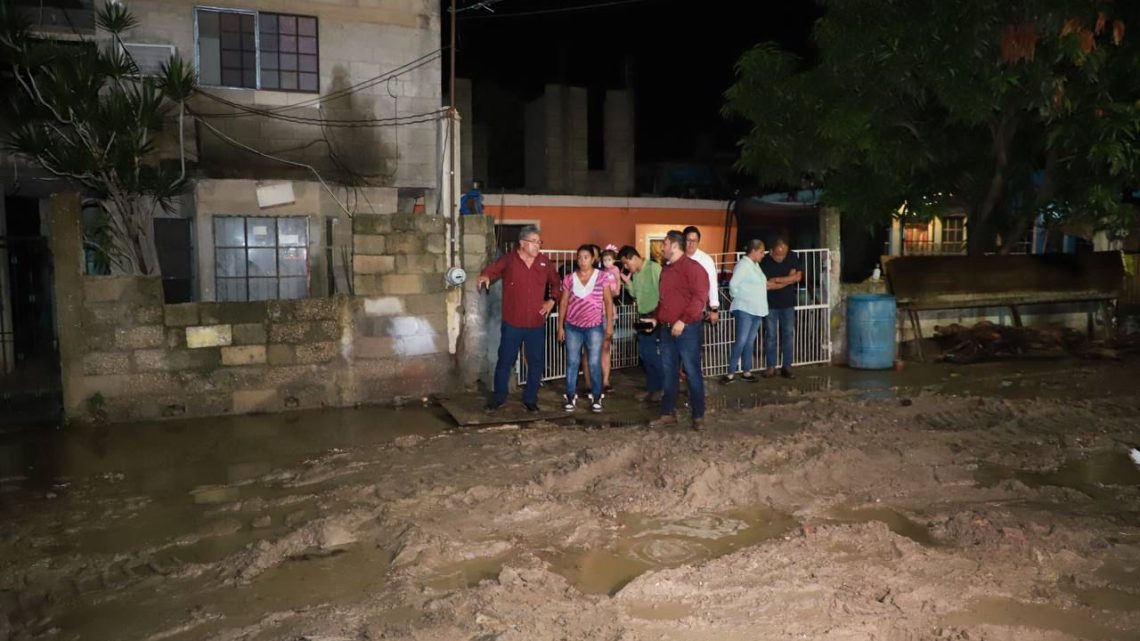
(317, 100)
(311, 168)
(542, 12)
(390, 121)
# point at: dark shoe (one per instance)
(608, 389)
(698, 424)
(663, 421)
(571, 403)
(531, 407)
(492, 406)
(654, 397)
(749, 378)
(769, 373)
(728, 378)
(787, 373)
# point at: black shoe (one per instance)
(492, 406)
(531, 407)
(749, 378)
(728, 378)
(786, 372)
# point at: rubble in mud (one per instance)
(953, 515)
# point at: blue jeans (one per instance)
(592, 338)
(650, 354)
(747, 330)
(782, 321)
(532, 339)
(682, 351)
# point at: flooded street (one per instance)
(992, 501)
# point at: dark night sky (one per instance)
(683, 52)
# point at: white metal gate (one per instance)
(813, 323)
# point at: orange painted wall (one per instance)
(569, 227)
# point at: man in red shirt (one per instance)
(680, 313)
(526, 274)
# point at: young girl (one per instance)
(585, 318)
(609, 265)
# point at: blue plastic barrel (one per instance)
(871, 331)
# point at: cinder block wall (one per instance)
(136, 358)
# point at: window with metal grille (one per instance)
(257, 50)
(288, 52)
(953, 233)
(261, 258)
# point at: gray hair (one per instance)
(753, 245)
(527, 231)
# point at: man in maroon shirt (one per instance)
(526, 274)
(684, 291)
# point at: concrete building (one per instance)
(311, 119)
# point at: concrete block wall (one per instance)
(145, 360)
(399, 255)
(619, 133)
(127, 356)
(357, 41)
(556, 153)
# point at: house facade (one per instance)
(315, 152)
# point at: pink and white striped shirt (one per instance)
(588, 310)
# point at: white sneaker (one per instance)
(596, 404)
(571, 403)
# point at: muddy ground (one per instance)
(982, 502)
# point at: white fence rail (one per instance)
(813, 324)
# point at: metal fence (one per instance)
(813, 325)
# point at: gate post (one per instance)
(67, 269)
(829, 227)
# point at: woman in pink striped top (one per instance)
(585, 317)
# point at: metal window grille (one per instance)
(261, 258)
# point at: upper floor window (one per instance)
(257, 50)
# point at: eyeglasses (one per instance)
(531, 240)
(692, 241)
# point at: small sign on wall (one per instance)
(275, 194)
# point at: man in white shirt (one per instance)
(693, 250)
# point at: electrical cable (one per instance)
(311, 168)
(540, 12)
(335, 95)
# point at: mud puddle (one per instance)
(895, 521)
(1092, 475)
(645, 544)
(466, 574)
(1006, 612)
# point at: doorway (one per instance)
(29, 352)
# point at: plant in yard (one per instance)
(83, 111)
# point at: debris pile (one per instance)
(988, 341)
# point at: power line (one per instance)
(286, 161)
(246, 111)
(340, 93)
(541, 12)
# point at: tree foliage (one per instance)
(1004, 109)
(84, 112)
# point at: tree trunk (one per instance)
(980, 233)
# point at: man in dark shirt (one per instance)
(781, 268)
(684, 288)
(526, 274)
